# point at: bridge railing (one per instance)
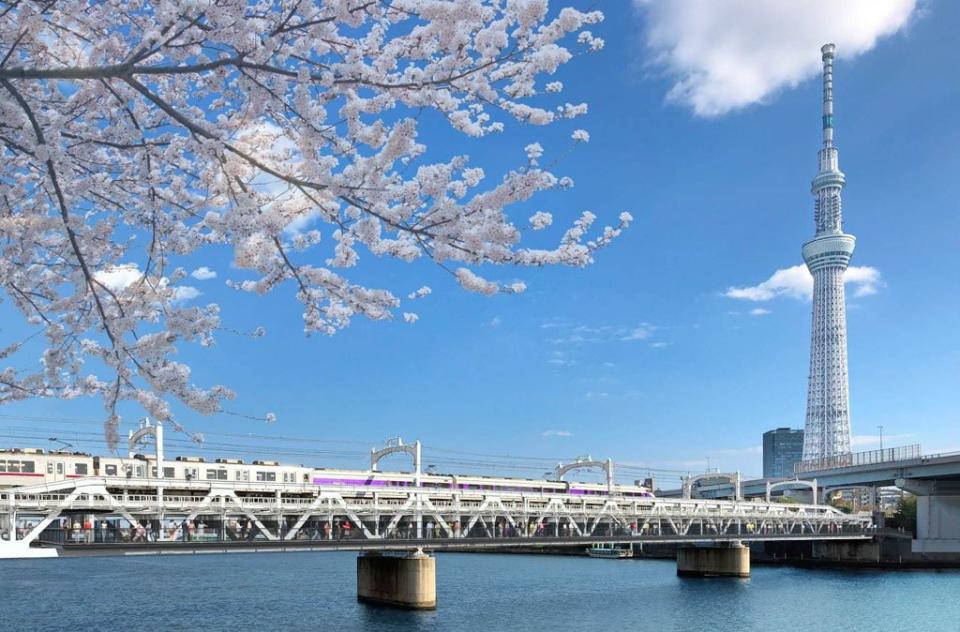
(855, 459)
(155, 533)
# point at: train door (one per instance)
(56, 468)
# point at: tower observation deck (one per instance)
(827, 255)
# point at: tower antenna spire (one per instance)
(828, 51)
(827, 255)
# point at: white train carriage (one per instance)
(31, 466)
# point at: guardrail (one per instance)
(855, 459)
(320, 534)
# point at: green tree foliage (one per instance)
(906, 515)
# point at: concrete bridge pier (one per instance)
(724, 560)
(408, 581)
(938, 514)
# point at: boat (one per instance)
(609, 551)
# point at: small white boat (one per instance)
(609, 551)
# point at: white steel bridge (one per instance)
(301, 509)
(127, 511)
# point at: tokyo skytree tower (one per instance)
(827, 431)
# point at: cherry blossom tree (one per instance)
(134, 134)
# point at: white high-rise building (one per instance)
(827, 431)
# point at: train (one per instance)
(21, 467)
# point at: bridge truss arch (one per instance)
(811, 484)
(587, 463)
(396, 446)
(730, 476)
(139, 436)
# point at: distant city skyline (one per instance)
(689, 336)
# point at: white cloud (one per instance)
(553, 324)
(559, 358)
(556, 433)
(796, 282)
(603, 333)
(119, 277)
(723, 56)
(183, 293)
(641, 332)
(496, 321)
(203, 273)
(659, 345)
(759, 311)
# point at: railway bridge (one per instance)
(104, 515)
(394, 528)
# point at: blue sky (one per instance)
(641, 357)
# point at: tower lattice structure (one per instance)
(827, 255)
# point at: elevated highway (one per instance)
(933, 478)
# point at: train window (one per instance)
(111, 470)
(13, 466)
(49, 468)
(270, 477)
(238, 474)
(59, 468)
(169, 472)
(81, 468)
(140, 471)
(3, 466)
(211, 475)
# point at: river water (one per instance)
(317, 591)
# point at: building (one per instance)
(782, 449)
(827, 255)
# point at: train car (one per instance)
(32, 466)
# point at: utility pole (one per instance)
(881, 439)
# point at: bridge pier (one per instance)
(938, 515)
(405, 582)
(729, 560)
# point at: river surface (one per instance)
(317, 591)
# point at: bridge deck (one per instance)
(427, 544)
(122, 512)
